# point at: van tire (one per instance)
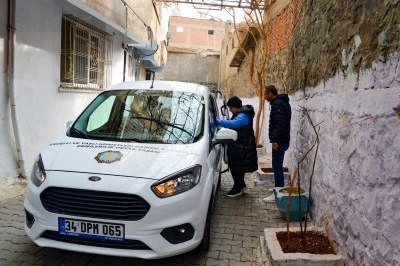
(219, 180)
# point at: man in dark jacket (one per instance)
(242, 154)
(279, 132)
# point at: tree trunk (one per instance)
(258, 116)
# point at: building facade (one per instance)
(57, 56)
(194, 47)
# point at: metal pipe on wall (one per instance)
(124, 46)
(219, 69)
(10, 84)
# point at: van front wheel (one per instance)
(219, 179)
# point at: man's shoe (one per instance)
(234, 193)
(269, 199)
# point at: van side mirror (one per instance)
(224, 135)
(69, 123)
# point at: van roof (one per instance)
(161, 85)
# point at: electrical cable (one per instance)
(144, 23)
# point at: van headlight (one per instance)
(178, 182)
(38, 174)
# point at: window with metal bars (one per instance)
(86, 56)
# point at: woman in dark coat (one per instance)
(242, 154)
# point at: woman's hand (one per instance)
(274, 145)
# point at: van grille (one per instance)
(94, 204)
(126, 244)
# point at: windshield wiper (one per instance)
(154, 141)
(142, 140)
(81, 132)
(130, 140)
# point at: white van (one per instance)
(135, 174)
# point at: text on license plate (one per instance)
(91, 229)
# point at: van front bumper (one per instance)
(156, 235)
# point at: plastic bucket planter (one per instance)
(281, 200)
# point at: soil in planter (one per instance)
(315, 243)
(295, 191)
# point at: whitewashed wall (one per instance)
(357, 178)
(42, 110)
(356, 184)
(8, 167)
(264, 140)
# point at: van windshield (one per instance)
(142, 116)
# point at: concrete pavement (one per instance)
(236, 225)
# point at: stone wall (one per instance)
(342, 36)
(197, 68)
(283, 16)
(356, 184)
(238, 83)
(343, 65)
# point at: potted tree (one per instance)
(312, 247)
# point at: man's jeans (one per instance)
(277, 163)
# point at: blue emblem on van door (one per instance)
(108, 157)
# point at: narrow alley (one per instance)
(117, 115)
(237, 224)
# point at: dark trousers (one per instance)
(277, 163)
(238, 180)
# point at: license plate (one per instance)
(91, 229)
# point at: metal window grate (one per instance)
(86, 55)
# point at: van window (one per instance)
(101, 114)
(213, 115)
(142, 116)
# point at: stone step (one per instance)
(261, 151)
(267, 178)
(264, 159)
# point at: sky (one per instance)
(187, 10)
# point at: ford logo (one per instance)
(94, 178)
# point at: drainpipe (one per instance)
(10, 84)
(124, 46)
(219, 69)
(124, 68)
